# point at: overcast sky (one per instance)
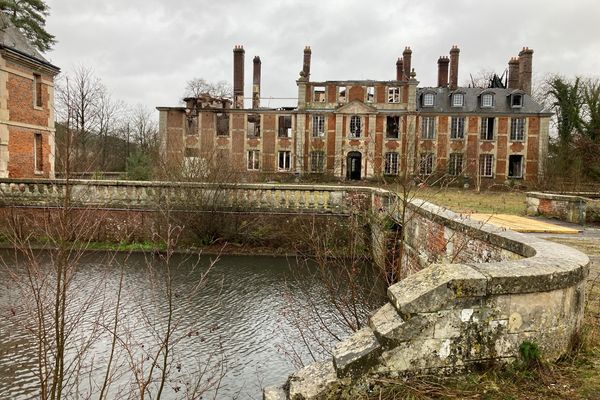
(146, 50)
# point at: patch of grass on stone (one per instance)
(469, 201)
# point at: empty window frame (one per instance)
(391, 163)
(341, 94)
(515, 166)
(517, 129)
(285, 126)
(192, 125)
(428, 100)
(486, 165)
(455, 164)
(458, 100)
(319, 94)
(222, 124)
(426, 164)
(37, 90)
(428, 128)
(318, 128)
(253, 125)
(487, 100)
(516, 100)
(253, 160)
(457, 129)
(394, 95)
(355, 126)
(317, 161)
(370, 94)
(487, 128)
(284, 160)
(392, 127)
(38, 153)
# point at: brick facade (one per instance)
(26, 109)
(367, 129)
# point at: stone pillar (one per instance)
(407, 58)
(256, 82)
(454, 52)
(525, 69)
(4, 114)
(443, 71)
(238, 76)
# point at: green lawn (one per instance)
(468, 201)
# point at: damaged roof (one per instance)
(472, 101)
(12, 39)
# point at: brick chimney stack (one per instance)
(238, 76)
(399, 69)
(306, 64)
(513, 73)
(407, 58)
(454, 52)
(443, 71)
(256, 82)
(525, 69)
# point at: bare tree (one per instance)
(198, 87)
(79, 95)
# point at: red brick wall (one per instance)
(21, 149)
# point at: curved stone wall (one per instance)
(450, 316)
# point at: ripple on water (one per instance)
(235, 314)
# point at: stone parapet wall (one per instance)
(182, 195)
(578, 208)
(451, 316)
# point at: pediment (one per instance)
(356, 107)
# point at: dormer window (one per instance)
(458, 100)
(428, 99)
(487, 100)
(516, 100)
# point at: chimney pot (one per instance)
(443, 71)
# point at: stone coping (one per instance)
(571, 196)
(546, 265)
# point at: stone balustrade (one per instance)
(182, 195)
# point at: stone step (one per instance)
(356, 354)
(391, 329)
(274, 393)
(312, 380)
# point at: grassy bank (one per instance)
(469, 201)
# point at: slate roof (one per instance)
(12, 39)
(472, 102)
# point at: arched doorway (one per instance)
(353, 165)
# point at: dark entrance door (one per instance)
(353, 165)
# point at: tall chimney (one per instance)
(399, 69)
(238, 76)
(513, 73)
(256, 82)
(443, 71)
(454, 52)
(406, 57)
(306, 63)
(525, 69)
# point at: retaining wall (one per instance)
(578, 208)
(467, 309)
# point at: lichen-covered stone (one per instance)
(274, 393)
(391, 329)
(312, 380)
(433, 288)
(357, 353)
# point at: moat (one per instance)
(235, 322)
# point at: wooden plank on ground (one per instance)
(522, 224)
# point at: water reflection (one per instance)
(234, 322)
